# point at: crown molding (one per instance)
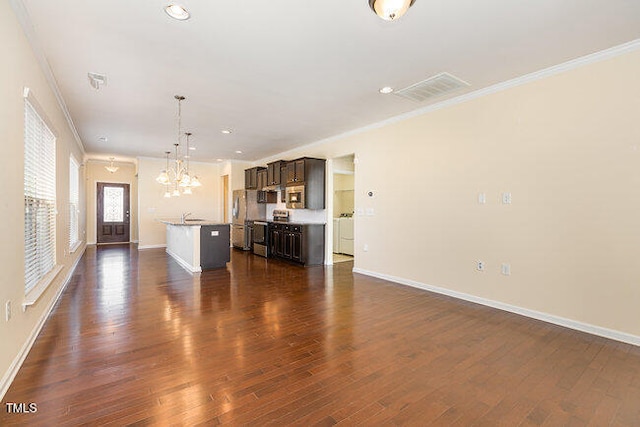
(602, 55)
(22, 14)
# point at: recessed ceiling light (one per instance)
(386, 89)
(177, 11)
(238, 152)
(192, 148)
(226, 131)
(218, 160)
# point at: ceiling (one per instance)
(284, 73)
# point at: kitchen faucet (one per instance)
(184, 216)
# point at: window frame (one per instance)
(74, 204)
(40, 197)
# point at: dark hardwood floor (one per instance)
(137, 340)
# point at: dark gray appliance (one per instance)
(245, 208)
(260, 242)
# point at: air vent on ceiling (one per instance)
(97, 80)
(432, 87)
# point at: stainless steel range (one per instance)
(261, 232)
(280, 215)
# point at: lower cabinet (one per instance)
(301, 243)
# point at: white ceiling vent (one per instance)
(433, 87)
(97, 80)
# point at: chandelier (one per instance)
(111, 168)
(390, 10)
(177, 176)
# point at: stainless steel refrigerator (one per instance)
(245, 208)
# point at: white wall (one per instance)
(20, 68)
(566, 146)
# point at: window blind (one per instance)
(39, 198)
(74, 201)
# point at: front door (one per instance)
(113, 213)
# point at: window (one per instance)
(74, 202)
(39, 198)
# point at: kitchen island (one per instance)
(198, 245)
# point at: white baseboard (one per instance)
(143, 247)
(190, 268)
(15, 366)
(545, 317)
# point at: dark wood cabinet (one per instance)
(251, 178)
(261, 178)
(310, 173)
(296, 246)
(274, 173)
(275, 240)
(295, 172)
(267, 196)
(301, 243)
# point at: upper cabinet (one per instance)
(310, 173)
(295, 171)
(262, 178)
(251, 178)
(274, 173)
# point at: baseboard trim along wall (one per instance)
(184, 264)
(545, 317)
(11, 373)
(151, 247)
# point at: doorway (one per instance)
(112, 216)
(343, 208)
(225, 198)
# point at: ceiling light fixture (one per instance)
(177, 11)
(178, 176)
(225, 131)
(111, 168)
(390, 10)
(385, 90)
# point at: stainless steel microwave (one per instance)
(295, 197)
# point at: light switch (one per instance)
(506, 269)
(482, 198)
(370, 212)
(360, 212)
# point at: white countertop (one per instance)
(189, 222)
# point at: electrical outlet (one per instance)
(480, 266)
(365, 248)
(482, 198)
(506, 198)
(7, 311)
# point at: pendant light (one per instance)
(111, 168)
(178, 176)
(390, 10)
